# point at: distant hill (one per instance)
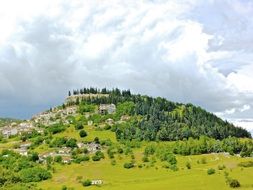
(157, 118)
(6, 121)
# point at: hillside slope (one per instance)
(158, 118)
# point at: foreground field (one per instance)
(156, 177)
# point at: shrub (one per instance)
(79, 126)
(120, 150)
(173, 167)
(86, 183)
(210, 171)
(246, 164)
(71, 143)
(128, 165)
(100, 154)
(113, 162)
(35, 174)
(82, 133)
(58, 159)
(145, 159)
(203, 160)
(85, 150)
(221, 167)
(107, 127)
(96, 140)
(80, 159)
(95, 158)
(234, 183)
(188, 165)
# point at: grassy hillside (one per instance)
(142, 143)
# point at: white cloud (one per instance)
(187, 51)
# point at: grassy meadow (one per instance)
(149, 176)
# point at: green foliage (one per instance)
(145, 159)
(86, 183)
(246, 164)
(71, 143)
(221, 167)
(58, 159)
(34, 156)
(234, 183)
(96, 158)
(83, 158)
(84, 107)
(34, 174)
(203, 160)
(128, 165)
(188, 165)
(210, 171)
(83, 133)
(79, 126)
(58, 142)
(56, 128)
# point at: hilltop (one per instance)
(118, 140)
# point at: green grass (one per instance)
(101, 134)
(157, 177)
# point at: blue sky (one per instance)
(187, 51)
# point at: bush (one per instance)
(107, 127)
(86, 183)
(79, 126)
(113, 162)
(188, 165)
(71, 143)
(234, 183)
(82, 133)
(145, 159)
(210, 171)
(221, 167)
(56, 128)
(96, 158)
(120, 150)
(100, 154)
(203, 160)
(58, 159)
(85, 151)
(128, 165)
(246, 164)
(35, 174)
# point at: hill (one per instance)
(112, 139)
(159, 119)
(6, 121)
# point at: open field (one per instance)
(147, 178)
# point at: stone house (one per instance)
(93, 147)
(96, 182)
(107, 108)
(9, 131)
(110, 121)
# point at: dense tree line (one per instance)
(17, 169)
(203, 145)
(162, 119)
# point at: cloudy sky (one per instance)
(185, 50)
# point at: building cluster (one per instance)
(66, 153)
(18, 129)
(55, 116)
(23, 148)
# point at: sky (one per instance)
(190, 51)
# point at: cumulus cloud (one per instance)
(187, 51)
